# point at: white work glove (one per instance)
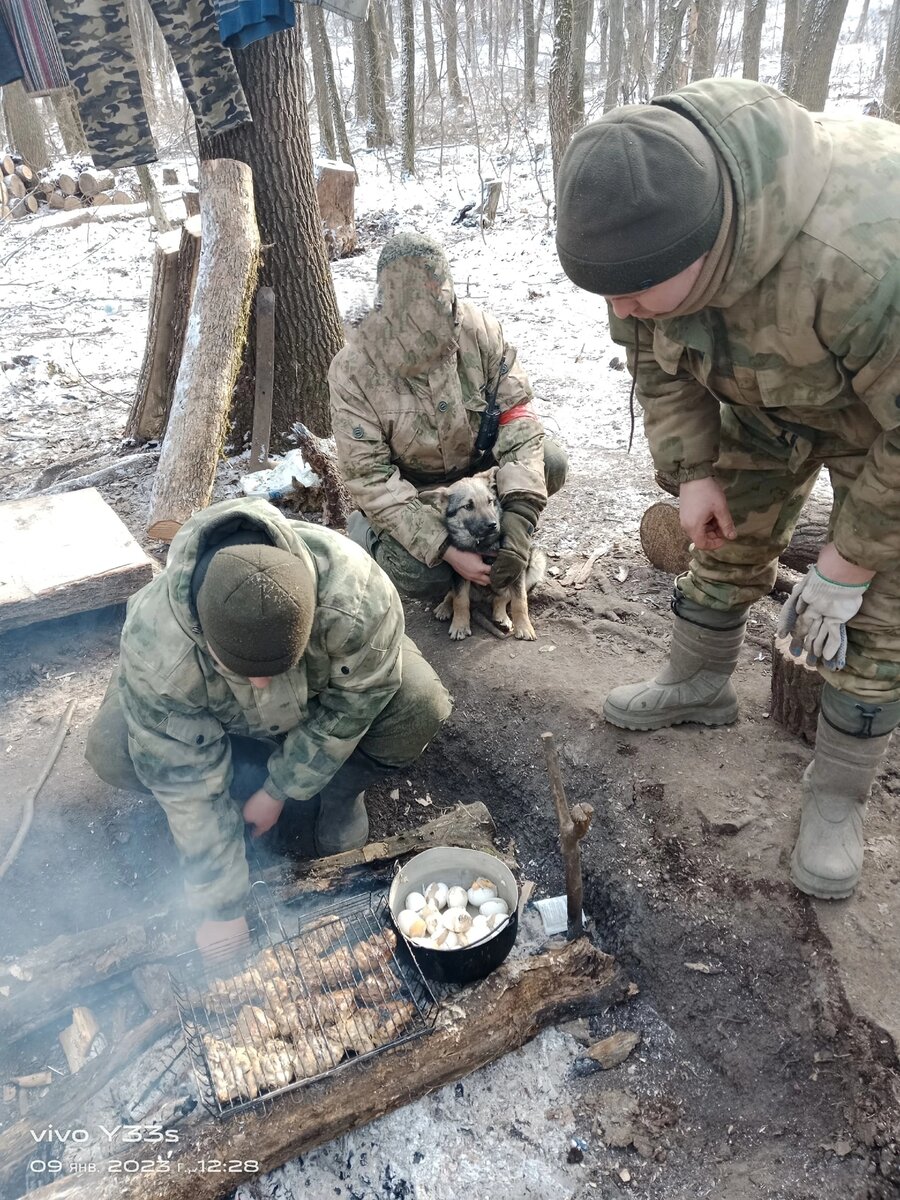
(816, 615)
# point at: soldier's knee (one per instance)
(409, 576)
(556, 466)
(106, 749)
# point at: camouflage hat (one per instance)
(255, 607)
(639, 197)
(415, 246)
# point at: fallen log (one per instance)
(185, 285)
(127, 462)
(150, 409)
(796, 691)
(213, 347)
(495, 1017)
(79, 1039)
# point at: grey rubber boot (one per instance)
(343, 823)
(851, 739)
(695, 684)
(360, 531)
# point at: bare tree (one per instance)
(334, 96)
(279, 152)
(582, 11)
(448, 20)
(860, 31)
(891, 106)
(671, 39)
(387, 51)
(637, 86)
(360, 72)
(705, 23)
(69, 120)
(751, 36)
(529, 34)
(560, 70)
(820, 27)
(612, 95)
(789, 35)
(428, 30)
(327, 139)
(378, 130)
(25, 126)
(407, 87)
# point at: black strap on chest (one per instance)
(490, 418)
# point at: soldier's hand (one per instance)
(704, 514)
(262, 812)
(218, 941)
(468, 564)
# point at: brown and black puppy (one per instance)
(471, 512)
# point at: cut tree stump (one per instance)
(63, 555)
(191, 203)
(92, 182)
(213, 346)
(486, 211)
(335, 188)
(150, 409)
(524, 996)
(169, 176)
(796, 691)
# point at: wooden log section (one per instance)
(68, 185)
(92, 182)
(169, 176)
(191, 203)
(14, 186)
(521, 998)
(28, 177)
(213, 347)
(8, 165)
(24, 206)
(150, 409)
(185, 285)
(335, 188)
(796, 691)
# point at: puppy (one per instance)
(471, 512)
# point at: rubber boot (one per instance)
(695, 684)
(343, 823)
(360, 531)
(851, 739)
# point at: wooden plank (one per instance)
(65, 554)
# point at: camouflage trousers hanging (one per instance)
(412, 577)
(97, 47)
(768, 471)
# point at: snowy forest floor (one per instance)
(769, 1073)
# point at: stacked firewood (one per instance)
(22, 191)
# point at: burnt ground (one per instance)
(767, 1066)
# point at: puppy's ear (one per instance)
(438, 497)
(490, 478)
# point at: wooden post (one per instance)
(213, 347)
(573, 825)
(265, 374)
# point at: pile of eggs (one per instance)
(449, 918)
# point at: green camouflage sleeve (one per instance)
(519, 449)
(681, 418)
(390, 502)
(365, 675)
(867, 530)
(183, 756)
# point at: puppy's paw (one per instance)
(524, 631)
(444, 610)
(503, 622)
(458, 631)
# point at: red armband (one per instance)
(517, 413)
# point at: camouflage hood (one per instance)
(778, 157)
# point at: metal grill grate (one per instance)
(312, 995)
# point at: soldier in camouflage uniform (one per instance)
(408, 392)
(750, 254)
(266, 666)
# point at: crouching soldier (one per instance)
(409, 394)
(266, 666)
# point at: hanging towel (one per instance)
(244, 21)
(34, 37)
(356, 10)
(99, 54)
(10, 67)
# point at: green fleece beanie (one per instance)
(425, 252)
(639, 197)
(255, 607)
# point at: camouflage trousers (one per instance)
(97, 47)
(768, 472)
(412, 577)
(396, 737)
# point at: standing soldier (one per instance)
(266, 666)
(408, 398)
(749, 252)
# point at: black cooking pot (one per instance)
(457, 867)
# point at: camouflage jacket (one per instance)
(396, 436)
(805, 328)
(179, 705)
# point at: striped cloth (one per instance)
(10, 67)
(34, 38)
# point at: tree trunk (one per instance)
(428, 29)
(470, 30)
(560, 71)
(706, 29)
(213, 347)
(637, 84)
(525, 995)
(407, 88)
(860, 31)
(24, 126)
(612, 95)
(789, 36)
(328, 143)
(387, 51)
(817, 40)
(751, 36)
(69, 121)
(890, 108)
(603, 39)
(154, 204)
(150, 408)
(671, 33)
(448, 20)
(529, 34)
(277, 148)
(360, 72)
(334, 95)
(378, 130)
(582, 11)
